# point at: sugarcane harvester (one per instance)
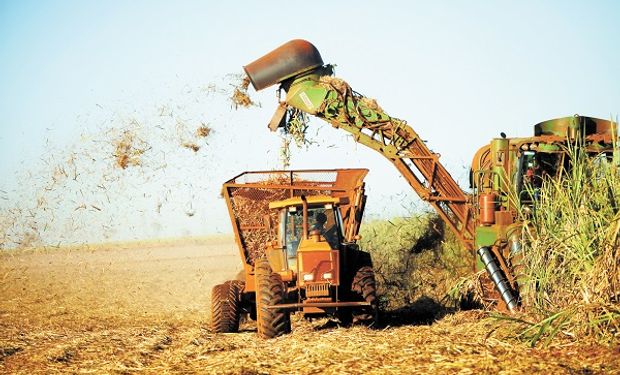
(485, 221)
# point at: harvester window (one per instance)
(534, 168)
(529, 177)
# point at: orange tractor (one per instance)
(296, 232)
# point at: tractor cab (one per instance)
(305, 224)
(321, 270)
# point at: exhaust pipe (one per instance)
(498, 277)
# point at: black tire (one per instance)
(225, 300)
(365, 287)
(253, 312)
(243, 306)
(270, 291)
(246, 308)
(345, 316)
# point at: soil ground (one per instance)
(143, 307)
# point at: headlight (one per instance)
(308, 277)
(327, 275)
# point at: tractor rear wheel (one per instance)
(225, 301)
(365, 286)
(270, 291)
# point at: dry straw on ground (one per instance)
(464, 343)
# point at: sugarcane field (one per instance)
(200, 188)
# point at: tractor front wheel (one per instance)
(270, 291)
(365, 286)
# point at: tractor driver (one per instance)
(329, 233)
(319, 224)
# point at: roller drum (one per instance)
(498, 278)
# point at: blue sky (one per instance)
(459, 72)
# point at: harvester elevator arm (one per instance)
(316, 92)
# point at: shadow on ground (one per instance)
(423, 311)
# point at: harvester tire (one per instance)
(270, 291)
(365, 286)
(225, 301)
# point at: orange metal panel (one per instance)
(318, 263)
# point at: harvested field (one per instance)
(142, 308)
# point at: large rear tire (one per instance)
(225, 301)
(270, 291)
(365, 286)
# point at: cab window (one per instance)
(323, 220)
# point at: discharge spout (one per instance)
(312, 89)
(287, 61)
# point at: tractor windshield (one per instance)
(323, 219)
(291, 232)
